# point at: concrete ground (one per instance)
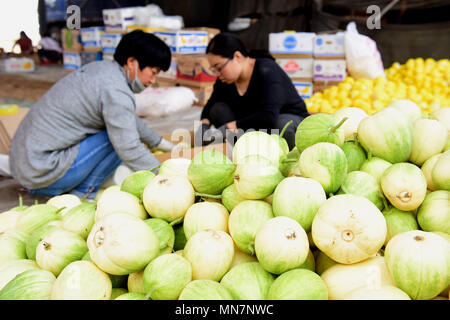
(24, 89)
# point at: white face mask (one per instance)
(136, 85)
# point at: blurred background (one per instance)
(410, 28)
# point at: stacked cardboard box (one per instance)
(109, 43)
(329, 60)
(185, 41)
(117, 20)
(313, 61)
(293, 51)
(192, 71)
(72, 48)
(91, 38)
(81, 46)
(212, 32)
(190, 67)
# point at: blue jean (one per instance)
(95, 162)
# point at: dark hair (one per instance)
(225, 44)
(148, 49)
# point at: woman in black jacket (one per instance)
(251, 92)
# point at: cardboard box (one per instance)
(72, 60)
(196, 84)
(304, 87)
(8, 127)
(14, 65)
(91, 38)
(171, 73)
(292, 42)
(195, 67)
(87, 57)
(165, 82)
(71, 40)
(109, 42)
(202, 94)
(330, 70)
(117, 20)
(184, 41)
(295, 66)
(212, 32)
(329, 46)
(131, 28)
(319, 86)
(186, 136)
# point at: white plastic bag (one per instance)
(167, 22)
(164, 101)
(142, 15)
(362, 56)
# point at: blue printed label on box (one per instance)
(291, 42)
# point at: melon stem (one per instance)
(20, 200)
(176, 221)
(333, 129)
(147, 296)
(288, 160)
(385, 203)
(284, 128)
(156, 167)
(59, 210)
(251, 247)
(205, 195)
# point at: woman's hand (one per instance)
(232, 126)
(206, 121)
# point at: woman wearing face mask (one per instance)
(85, 126)
(250, 93)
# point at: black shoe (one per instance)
(199, 136)
(214, 136)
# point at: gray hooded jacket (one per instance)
(94, 98)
